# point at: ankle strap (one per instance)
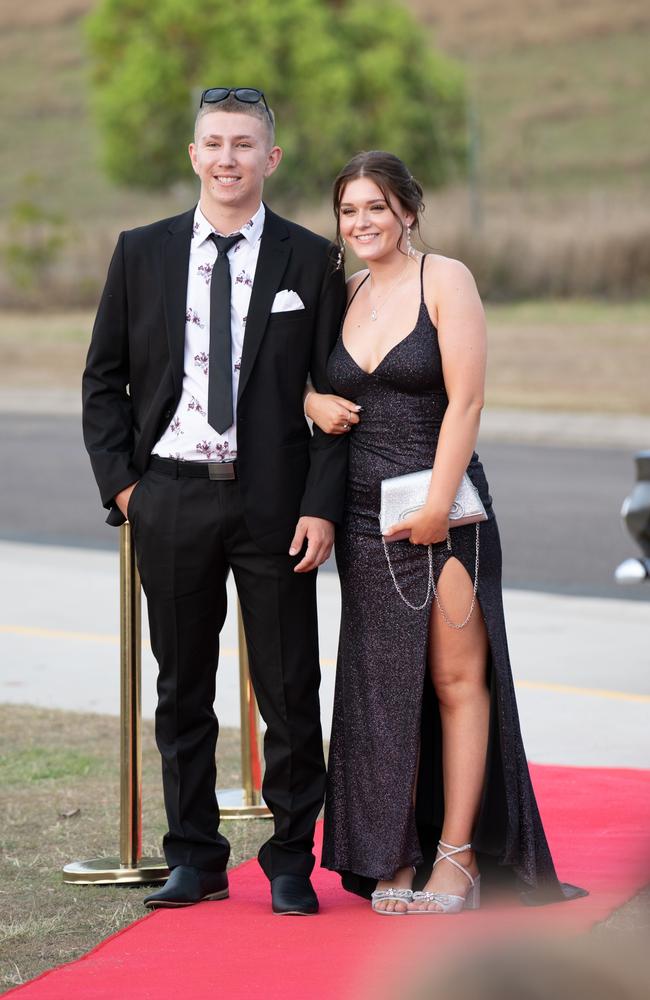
(448, 856)
(455, 850)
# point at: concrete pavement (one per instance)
(581, 664)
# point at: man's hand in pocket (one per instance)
(122, 498)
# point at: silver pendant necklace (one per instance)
(374, 309)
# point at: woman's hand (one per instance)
(333, 414)
(427, 528)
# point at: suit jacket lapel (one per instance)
(275, 248)
(176, 255)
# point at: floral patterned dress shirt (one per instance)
(189, 436)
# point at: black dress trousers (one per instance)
(189, 533)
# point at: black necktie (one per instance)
(220, 411)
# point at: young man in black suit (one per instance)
(208, 328)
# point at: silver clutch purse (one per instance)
(402, 496)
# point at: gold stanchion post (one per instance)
(130, 867)
(244, 803)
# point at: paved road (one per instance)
(558, 507)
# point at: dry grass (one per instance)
(583, 357)
(570, 355)
(43, 351)
(465, 24)
(517, 244)
(61, 805)
(483, 25)
(42, 12)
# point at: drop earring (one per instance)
(410, 249)
(340, 260)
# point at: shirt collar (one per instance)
(251, 230)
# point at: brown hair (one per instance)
(392, 177)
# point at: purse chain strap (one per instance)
(431, 586)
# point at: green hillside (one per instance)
(50, 147)
(559, 96)
(560, 89)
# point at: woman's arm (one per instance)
(451, 291)
(334, 414)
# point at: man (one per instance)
(208, 328)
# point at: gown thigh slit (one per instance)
(386, 715)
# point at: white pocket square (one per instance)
(287, 301)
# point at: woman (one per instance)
(427, 772)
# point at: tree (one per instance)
(345, 76)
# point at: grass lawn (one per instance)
(59, 798)
(554, 355)
(585, 356)
(60, 802)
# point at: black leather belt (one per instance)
(193, 470)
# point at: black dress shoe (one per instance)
(293, 894)
(187, 885)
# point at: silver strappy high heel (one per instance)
(403, 895)
(447, 902)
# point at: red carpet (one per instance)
(597, 821)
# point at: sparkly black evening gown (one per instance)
(385, 709)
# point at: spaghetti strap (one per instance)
(354, 295)
(424, 255)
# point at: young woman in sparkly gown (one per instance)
(426, 758)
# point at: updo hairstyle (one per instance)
(392, 177)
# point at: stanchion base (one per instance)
(109, 871)
(233, 805)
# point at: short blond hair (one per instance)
(232, 106)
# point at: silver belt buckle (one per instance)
(221, 470)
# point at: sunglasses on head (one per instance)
(247, 95)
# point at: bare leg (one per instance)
(457, 659)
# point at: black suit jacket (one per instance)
(134, 372)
